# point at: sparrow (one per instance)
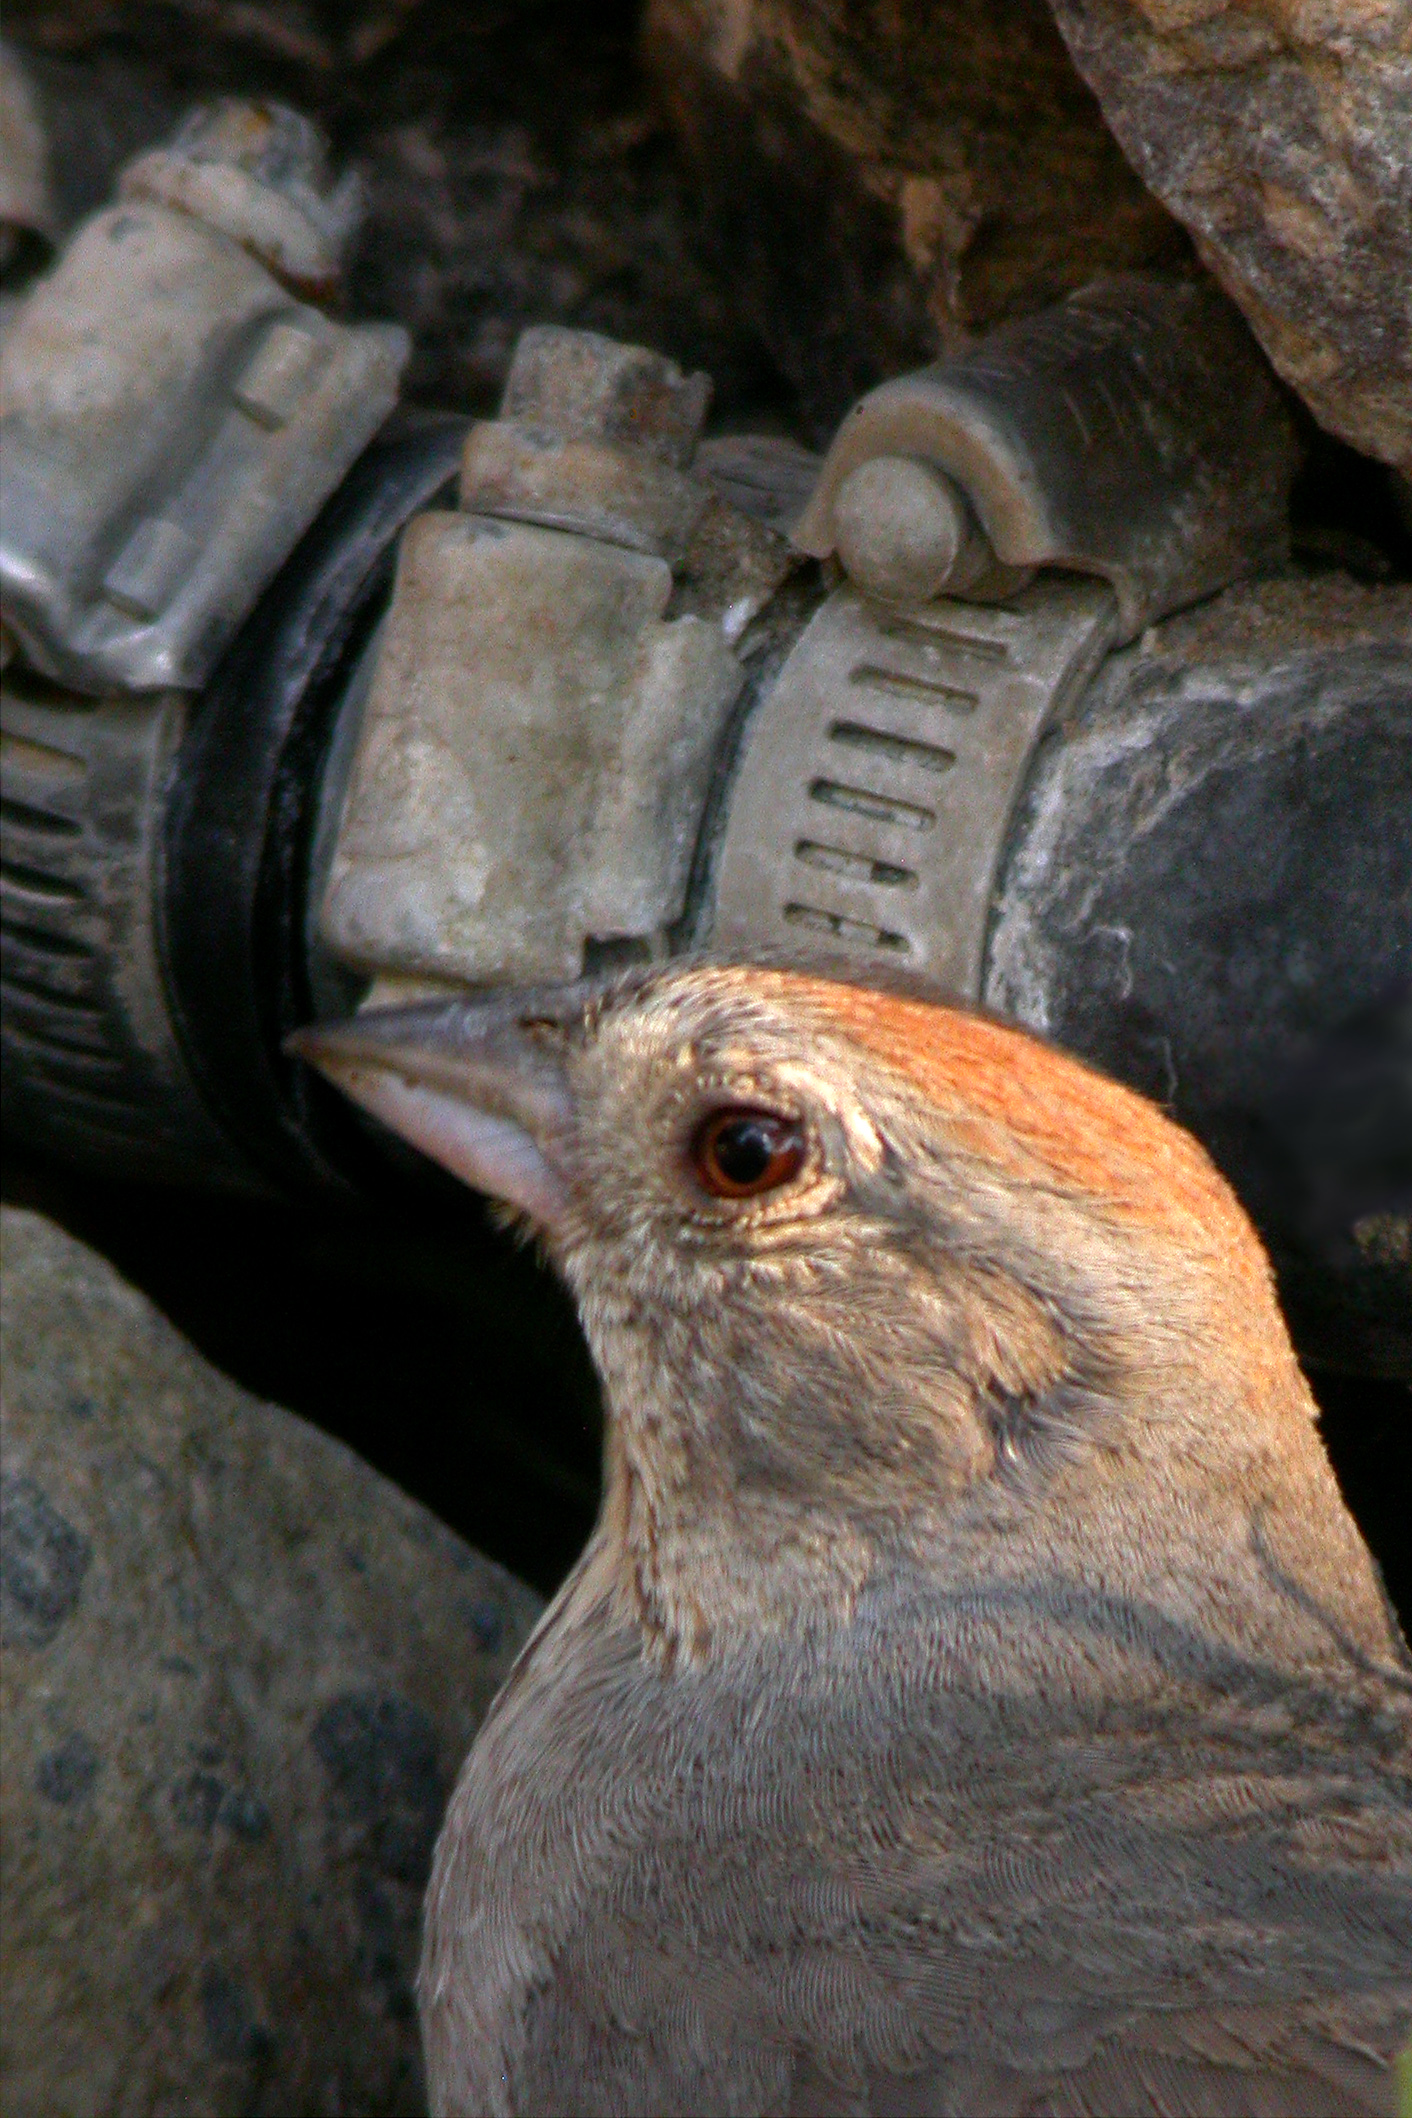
(975, 1696)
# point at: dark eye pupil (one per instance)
(740, 1153)
(745, 1147)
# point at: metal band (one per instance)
(874, 789)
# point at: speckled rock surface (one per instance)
(1280, 132)
(240, 1671)
(885, 181)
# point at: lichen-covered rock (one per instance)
(1280, 132)
(886, 182)
(240, 1673)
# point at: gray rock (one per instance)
(1282, 136)
(240, 1673)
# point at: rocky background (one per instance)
(890, 181)
(1280, 134)
(240, 1672)
(240, 1666)
(804, 195)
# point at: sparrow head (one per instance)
(863, 1277)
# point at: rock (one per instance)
(240, 1673)
(1280, 132)
(887, 182)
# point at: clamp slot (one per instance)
(894, 852)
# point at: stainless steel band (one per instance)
(175, 414)
(875, 785)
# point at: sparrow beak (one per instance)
(479, 1085)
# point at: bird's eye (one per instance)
(739, 1153)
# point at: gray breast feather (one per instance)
(1167, 1914)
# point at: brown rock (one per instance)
(886, 182)
(1280, 132)
(240, 1673)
